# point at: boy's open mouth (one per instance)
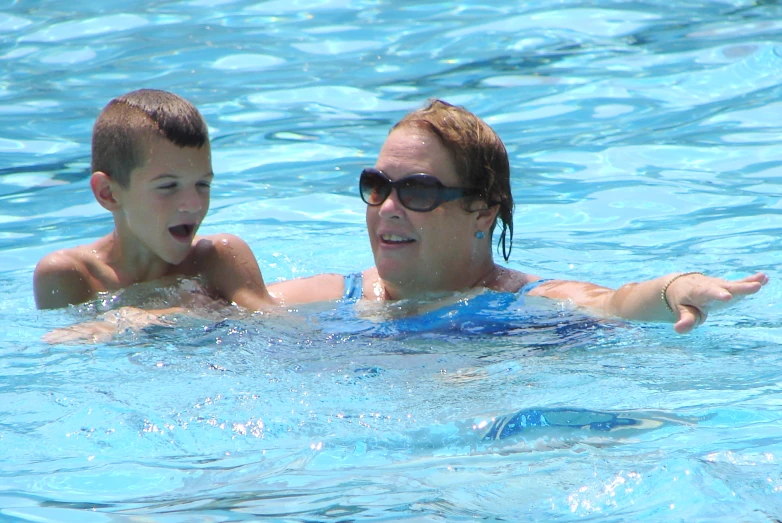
(182, 231)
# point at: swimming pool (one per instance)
(643, 140)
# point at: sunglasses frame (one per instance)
(442, 192)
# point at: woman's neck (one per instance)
(487, 275)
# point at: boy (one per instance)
(152, 169)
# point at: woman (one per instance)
(439, 188)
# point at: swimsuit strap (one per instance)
(354, 284)
(531, 285)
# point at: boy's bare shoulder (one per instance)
(219, 241)
(229, 270)
(62, 278)
(222, 246)
(57, 261)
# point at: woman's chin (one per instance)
(394, 271)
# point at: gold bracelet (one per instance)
(665, 288)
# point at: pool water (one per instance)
(643, 140)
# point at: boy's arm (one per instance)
(690, 296)
(231, 271)
(59, 281)
(111, 323)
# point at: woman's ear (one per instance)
(103, 188)
(485, 218)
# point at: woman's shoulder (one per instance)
(511, 280)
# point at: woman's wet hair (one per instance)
(121, 132)
(479, 156)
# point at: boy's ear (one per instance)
(103, 189)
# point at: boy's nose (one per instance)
(191, 202)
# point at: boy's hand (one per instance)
(114, 322)
(90, 332)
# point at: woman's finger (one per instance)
(689, 318)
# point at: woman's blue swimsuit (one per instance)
(485, 313)
(354, 283)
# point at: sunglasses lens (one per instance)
(420, 193)
(374, 187)
(417, 192)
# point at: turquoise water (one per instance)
(644, 138)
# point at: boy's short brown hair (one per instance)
(118, 136)
(479, 155)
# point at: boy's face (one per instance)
(167, 198)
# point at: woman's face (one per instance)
(424, 251)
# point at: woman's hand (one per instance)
(693, 296)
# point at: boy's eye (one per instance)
(167, 186)
(204, 184)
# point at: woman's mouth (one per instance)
(395, 239)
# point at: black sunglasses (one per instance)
(417, 192)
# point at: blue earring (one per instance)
(480, 235)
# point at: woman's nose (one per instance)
(391, 206)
